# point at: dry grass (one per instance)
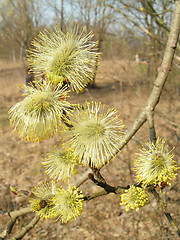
(122, 86)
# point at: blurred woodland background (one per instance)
(132, 36)
(123, 28)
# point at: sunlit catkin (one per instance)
(68, 57)
(41, 202)
(134, 198)
(67, 203)
(155, 164)
(39, 115)
(96, 134)
(60, 164)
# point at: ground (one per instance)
(122, 85)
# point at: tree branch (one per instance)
(14, 216)
(26, 229)
(150, 118)
(163, 208)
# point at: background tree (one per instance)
(20, 22)
(150, 22)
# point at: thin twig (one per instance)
(163, 207)
(173, 124)
(102, 184)
(106, 188)
(13, 217)
(95, 195)
(20, 212)
(82, 178)
(98, 175)
(150, 118)
(26, 229)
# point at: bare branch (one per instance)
(163, 207)
(150, 118)
(26, 229)
(14, 216)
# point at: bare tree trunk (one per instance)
(62, 15)
(13, 55)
